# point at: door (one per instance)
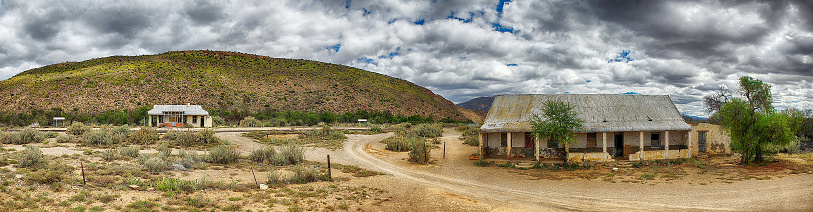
(619, 145)
(701, 141)
(529, 146)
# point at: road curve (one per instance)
(513, 198)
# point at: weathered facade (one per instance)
(179, 116)
(710, 139)
(616, 127)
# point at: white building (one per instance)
(179, 116)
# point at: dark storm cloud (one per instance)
(460, 48)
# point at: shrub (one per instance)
(109, 155)
(100, 137)
(190, 138)
(291, 153)
(471, 134)
(155, 165)
(250, 121)
(419, 153)
(50, 174)
(223, 154)
(218, 121)
(207, 136)
(66, 138)
(427, 130)
(185, 138)
(304, 175)
(77, 128)
(325, 133)
(144, 136)
(262, 154)
(122, 130)
(7, 137)
(29, 135)
(129, 152)
(273, 178)
(163, 151)
(51, 134)
(401, 143)
(31, 156)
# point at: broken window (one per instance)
(504, 141)
(655, 137)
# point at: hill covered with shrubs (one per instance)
(225, 82)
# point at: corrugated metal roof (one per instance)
(600, 112)
(186, 109)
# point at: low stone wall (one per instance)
(660, 154)
(589, 157)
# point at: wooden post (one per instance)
(689, 141)
(425, 153)
(82, 165)
(329, 174)
(510, 144)
(536, 148)
(604, 144)
(255, 178)
(444, 150)
(482, 145)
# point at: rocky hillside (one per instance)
(221, 80)
(479, 103)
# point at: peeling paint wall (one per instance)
(660, 154)
(717, 138)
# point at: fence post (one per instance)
(329, 174)
(255, 178)
(425, 153)
(82, 165)
(444, 150)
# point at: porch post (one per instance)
(604, 144)
(510, 144)
(536, 148)
(689, 138)
(641, 145)
(149, 123)
(481, 145)
(666, 139)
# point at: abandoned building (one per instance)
(616, 127)
(179, 116)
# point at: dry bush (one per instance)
(262, 154)
(109, 155)
(100, 137)
(31, 156)
(67, 138)
(129, 151)
(77, 128)
(250, 121)
(290, 153)
(144, 136)
(28, 135)
(223, 154)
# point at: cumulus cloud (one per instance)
(461, 49)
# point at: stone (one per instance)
(263, 186)
(134, 187)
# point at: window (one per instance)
(591, 140)
(655, 137)
(194, 119)
(504, 141)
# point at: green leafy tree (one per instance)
(558, 122)
(753, 122)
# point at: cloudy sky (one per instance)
(460, 49)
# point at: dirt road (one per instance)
(508, 191)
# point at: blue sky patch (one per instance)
(391, 54)
(633, 93)
(511, 64)
(420, 22)
(499, 28)
(366, 60)
(588, 81)
(623, 56)
(501, 5)
(336, 47)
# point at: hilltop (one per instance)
(217, 80)
(479, 103)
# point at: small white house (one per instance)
(179, 116)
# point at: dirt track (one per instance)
(503, 190)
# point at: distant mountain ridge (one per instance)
(220, 80)
(479, 103)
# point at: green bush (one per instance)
(31, 156)
(155, 165)
(100, 137)
(50, 174)
(325, 133)
(291, 153)
(304, 175)
(273, 178)
(122, 130)
(419, 153)
(223, 154)
(218, 121)
(77, 128)
(191, 138)
(144, 136)
(66, 138)
(185, 138)
(262, 154)
(250, 121)
(400, 143)
(207, 136)
(129, 151)
(163, 151)
(28, 135)
(109, 155)
(427, 130)
(7, 137)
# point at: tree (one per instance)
(753, 123)
(558, 123)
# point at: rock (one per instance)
(178, 166)
(615, 169)
(263, 186)
(150, 189)
(134, 187)
(18, 176)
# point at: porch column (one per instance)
(481, 145)
(689, 140)
(666, 140)
(641, 145)
(604, 144)
(510, 144)
(536, 148)
(149, 122)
